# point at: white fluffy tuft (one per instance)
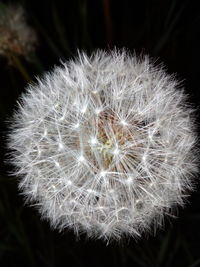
(105, 145)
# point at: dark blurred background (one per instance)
(168, 30)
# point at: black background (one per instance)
(167, 30)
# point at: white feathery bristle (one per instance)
(105, 145)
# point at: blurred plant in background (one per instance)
(17, 38)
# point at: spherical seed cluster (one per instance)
(105, 145)
(16, 38)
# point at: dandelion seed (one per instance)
(93, 141)
(103, 173)
(129, 180)
(77, 125)
(81, 159)
(123, 122)
(83, 110)
(69, 182)
(116, 152)
(98, 110)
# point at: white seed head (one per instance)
(109, 173)
(17, 37)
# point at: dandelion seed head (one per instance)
(100, 164)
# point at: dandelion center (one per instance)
(107, 148)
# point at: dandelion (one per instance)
(16, 37)
(105, 145)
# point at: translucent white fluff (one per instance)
(105, 144)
